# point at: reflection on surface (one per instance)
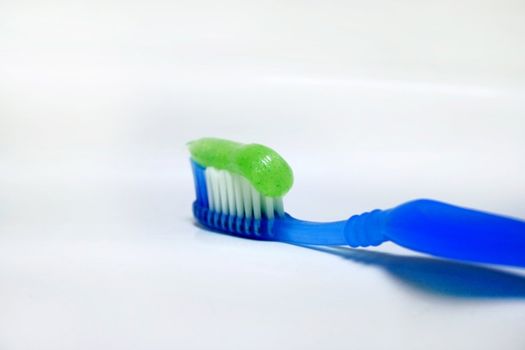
(443, 277)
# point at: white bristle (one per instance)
(278, 205)
(237, 189)
(214, 181)
(230, 193)
(246, 197)
(233, 194)
(223, 193)
(268, 207)
(256, 203)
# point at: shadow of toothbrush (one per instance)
(442, 277)
(436, 276)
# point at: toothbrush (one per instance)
(240, 187)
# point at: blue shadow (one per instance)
(436, 276)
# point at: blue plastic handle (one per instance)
(423, 225)
(443, 230)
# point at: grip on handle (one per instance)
(453, 232)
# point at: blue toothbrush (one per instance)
(239, 191)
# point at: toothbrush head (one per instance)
(239, 187)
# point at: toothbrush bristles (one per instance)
(229, 202)
(232, 194)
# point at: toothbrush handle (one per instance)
(443, 230)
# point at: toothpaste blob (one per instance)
(264, 168)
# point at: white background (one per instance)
(372, 103)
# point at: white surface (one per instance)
(372, 104)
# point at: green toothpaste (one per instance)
(264, 168)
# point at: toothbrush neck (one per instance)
(358, 231)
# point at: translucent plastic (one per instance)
(454, 232)
(423, 225)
